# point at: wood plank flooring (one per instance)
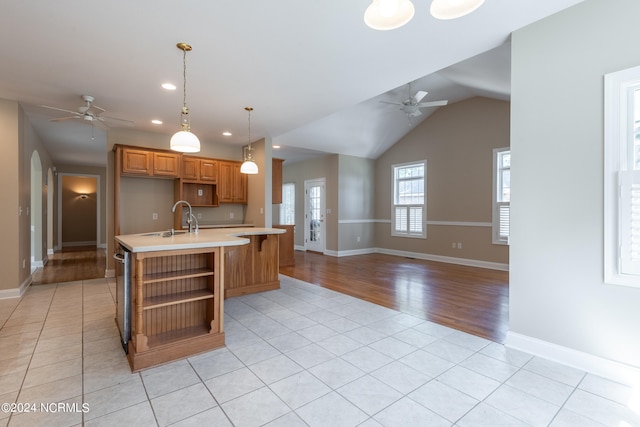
(469, 299)
(71, 264)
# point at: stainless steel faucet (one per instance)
(191, 216)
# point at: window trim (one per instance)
(284, 204)
(616, 140)
(495, 214)
(394, 205)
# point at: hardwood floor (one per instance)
(77, 263)
(469, 299)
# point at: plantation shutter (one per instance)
(504, 223)
(629, 227)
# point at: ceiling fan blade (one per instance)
(102, 110)
(115, 121)
(64, 119)
(432, 104)
(60, 109)
(419, 95)
(392, 103)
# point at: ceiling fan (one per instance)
(412, 105)
(91, 114)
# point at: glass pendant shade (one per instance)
(451, 9)
(249, 167)
(185, 142)
(388, 14)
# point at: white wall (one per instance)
(558, 301)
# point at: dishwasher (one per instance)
(123, 294)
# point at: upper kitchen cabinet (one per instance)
(232, 185)
(276, 181)
(150, 163)
(200, 169)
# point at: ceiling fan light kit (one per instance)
(451, 9)
(249, 166)
(183, 140)
(388, 14)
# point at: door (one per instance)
(314, 225)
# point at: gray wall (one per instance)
(457, 141)
(356, 187)
(557, 293)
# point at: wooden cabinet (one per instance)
(286, 243)
(166, 165)
(176, 305)
(232, 185)
(199, 169)
(276, 181)
(253, 267)
(142, 162)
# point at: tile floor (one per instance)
(301, 355)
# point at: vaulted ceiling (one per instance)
(313, 71)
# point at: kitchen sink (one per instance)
(163, 233)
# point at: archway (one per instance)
(35, 212)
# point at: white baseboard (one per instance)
(417, 255)
(447, 259)
(50, 251)
(16, 292)
(600, 366)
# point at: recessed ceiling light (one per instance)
(227, 133)
(156, 122)
(168, 86)
(276, 146)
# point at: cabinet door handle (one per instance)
(119, 257)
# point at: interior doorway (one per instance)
(314, 213)
(78, 211)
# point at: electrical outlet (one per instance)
(200, 192)
(358, 239)
(154, 216)
(230, 215)
(459, 245)
(199, 215)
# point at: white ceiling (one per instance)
(313, 71)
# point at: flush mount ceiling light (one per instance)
(451, 9)
(388, 14)
(184, 140)
(249, 166)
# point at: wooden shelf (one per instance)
(176, 275)
(177, 335)
(177, 298)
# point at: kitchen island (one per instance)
(174, 304)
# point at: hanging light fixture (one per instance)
(388, 14)
(184, 140)
(451, 9)
(249, 166)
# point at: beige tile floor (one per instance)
(301, 355)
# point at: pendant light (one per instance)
(451, 9)
(388, 14)
(249, 166)
(184, 140)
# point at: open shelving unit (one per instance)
(177, 305)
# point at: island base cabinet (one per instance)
(176, 305)
(252, 268)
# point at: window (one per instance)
(409, 205)
(501, 195)
(288, 207)
(622, 178)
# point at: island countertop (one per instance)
(204, 238)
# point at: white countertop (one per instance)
(209, 238)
